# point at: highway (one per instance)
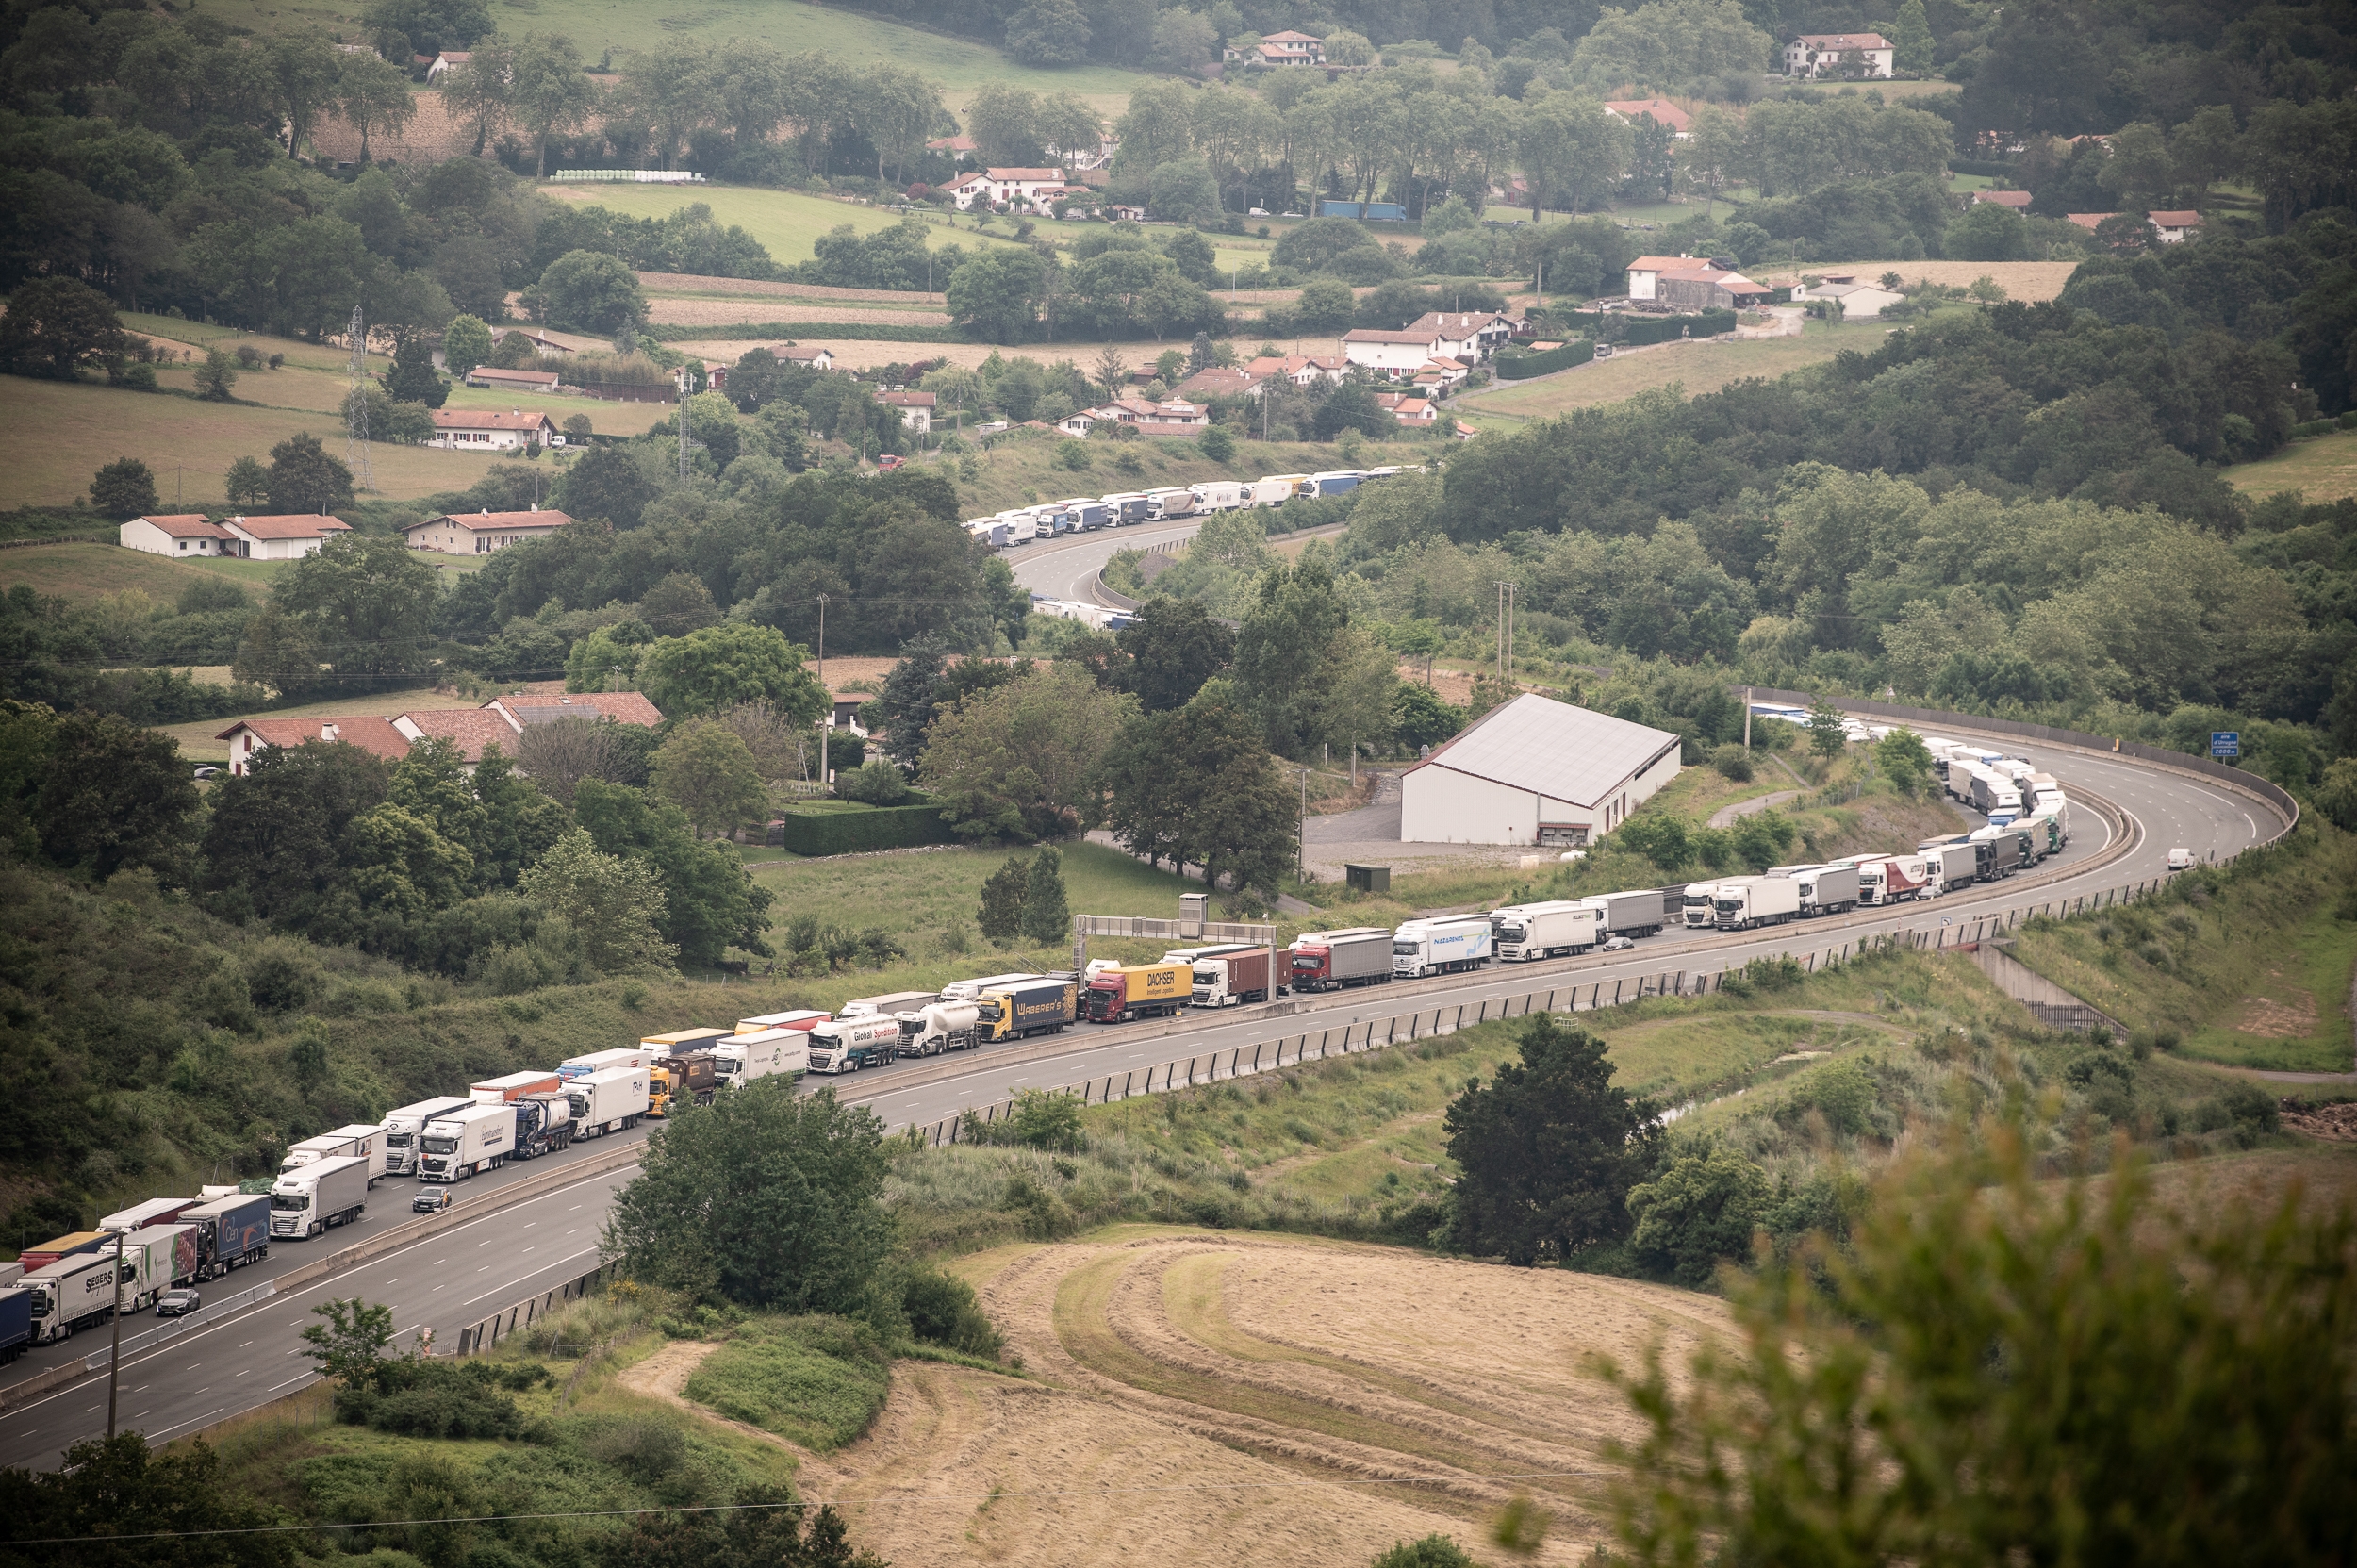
(463, 1274)
(1066, 568)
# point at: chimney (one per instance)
(327, 731)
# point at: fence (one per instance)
(1144, 929)
(480, 1336)
(1962, 932)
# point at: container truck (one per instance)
(661, 1046)
(1230, 979)
(612, 1099)
(680, 1079)
(1637, 913)
(1439, 946)
(360, 1141)
(1891, 880)
(1951, 867)
(1742, 902)
(1331, 960)
(311, 1198)
(1172, 501)
(544, 1123)
(943, 1026)
(967, 990)
(2005, 805)
(1825, 889)
(154, 1260)
(2008, 848)
(16, 1322)
(801, 1019)
(1525, 932)
(156, 1211)
(1043, 1006)
(847, 1045)
(403, 1125)
(1696, 908)
(231, 1232)
(73, 1293)
(1221, 495)
(2058, 807)
(1127, 507)
(744, 1059)
(1128, 991)
(891, 1004)
(1277, 488)
(62, 1246)
(514, 1086)
(600, 1060)
(457, 1145)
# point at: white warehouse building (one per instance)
(1535, 771)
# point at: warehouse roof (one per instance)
(1552, 748)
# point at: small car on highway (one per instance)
(431, 1201)
(177, 1303)
(1616, 945)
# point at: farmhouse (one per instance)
(500, 722)
(1706, 287)
(1535, 771)
(1849, 57)
(2172, 228)
(513, 381)
(1284, 49)
(2016, 200)
(1679, 123)
(374, 736)
(180, 534)
(1645, 272)
(487, 430)
(286, 537)
(817, 359)
(481, 533)
(1397, 355)
(916, 409)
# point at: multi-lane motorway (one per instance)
(460, 1274)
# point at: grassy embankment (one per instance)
(2321, 469)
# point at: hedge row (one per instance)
(1521, 367)
(848, 832)
(866, 332)
(1639, 330)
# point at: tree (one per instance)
(718, 667)
(1019, 760)
(1183, 40)
(615, 906)
(466, 343)
(1915, 46)
(303, 478)
(413, 378)
(906, 707)
(478, 92)
(994, 293)
(1046, 913)
(1698, 1213)
(1988, 231)
(771, 1198)
(304, 67)
(1904, 761)
(179, 1507)
(710, 901)
(110, 795)
(587, 292)
(2002, 1365)
(349, 1343)
(1549, 1150)
(215, 376)
(606, 486)
(1111, 368)
(1003, 893)
(1571, 151)
(1433, 1551)
(366, 602)
(1048, 32)
(247, 483)
(706, 771)
(124, 488)
(1174, 647)
(375, 98)
(55, 326)
(275, 651)
(1217, 444)
(556, 757)
(1351, 406)
(546, 93)
(2206, 148)
(1325, 307)
(1281, 648)
(1828, 730)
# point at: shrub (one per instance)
(843, 832)
(875, 783)
(1734, 761)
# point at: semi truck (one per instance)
(1127, 507)
(1127, 991)
(1230, 979)
(849, 1043)
(1824, 889)
(73, 1293)
(544, 1123)
(1891, 880)
(1221, 495)
(1439, 946)
(61, 1247)
(475, 1139)
(231, 1232)
(1276, 489)
(326, 1192)
(1333, 481)
(967, 990)
(403, 1125)
(156, 1211)
(1171, 500)
(600, 1061)
(1636, 913)
(1087, 513)
(612, 1099)
(1042, 1005)
(1741, 903)
(16, 1322)
(1525, 932)
(1950, 866)
(513, 1087)
(744, 1059)
(661, 1046)
(943, 1026)
(801, 1019)
(682, 1078)
(891, 1004)
(361, 1141)
(154, 1260)
(1331, 960)
(1696, 907)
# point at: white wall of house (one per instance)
(139, 533)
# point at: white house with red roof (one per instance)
(1280, 49)
(2174, 228)
(1645, 272)
(446, 62)
(283, 536)
(1397, 355)
(489, 430)
(916, 409)
(370, 733)
(2013, 199)
(180, 534)
(1847, 57)
(501, 721)
(817, 359)
(481, 533)
(1679, 123)
(1025, 187)
(1406, 407)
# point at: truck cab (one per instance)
(849, 1044)
(688, 1079)
(1697, 907)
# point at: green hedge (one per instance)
(1641, 330)
(1521, 367)
(848, 832)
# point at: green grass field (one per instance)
(82, 572)
(2321, 469)
(1697, 367)
(785, 222)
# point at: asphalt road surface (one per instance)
(1066, 568)
(464, 1274)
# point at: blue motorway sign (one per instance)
(2226, 743)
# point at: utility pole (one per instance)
(1505, 632)
(1301, 840)
(114, 1355)
(827, 722)
(683, 421)
(1747, 718)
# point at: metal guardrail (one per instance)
(482, 1335)
(173, 1328)
(1408, 1028)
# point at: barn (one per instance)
(1535, 771)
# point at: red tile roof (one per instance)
(623, 707)
(1661, 109)
(372, 734)
(188, 525)
(487, 419)
(907, 400)
(471, 729)
(1845, 41)
(1054, 176)
(2088, 220)
(1666, 263)
(547, 517)
(291, 525)
(2174, 220)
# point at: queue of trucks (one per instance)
(1049, 520)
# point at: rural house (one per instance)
(1679, 123)
(2016, 200)
(2173, 228)
(1645, 273)
(286, 537)
(374, 736)
(501, 720)
(1280, 49)
(916, 409)
(180, 534)
(481, 533)
(1845, 56)
(1706, 287)
(512, 381)
(487, 430)
(622, 707)
(1397, 355)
